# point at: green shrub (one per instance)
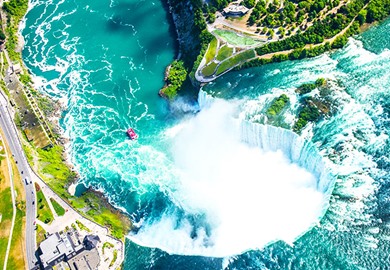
(309, 113)
(277, 105)
(176, 76)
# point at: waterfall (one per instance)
(241, 186)
(270, 138)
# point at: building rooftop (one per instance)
(91, 241)
(87, 260)
(17, 68)
(234, 9)
(67, 247)
(56, 248)
(49, 248)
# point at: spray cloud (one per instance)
(249, 197)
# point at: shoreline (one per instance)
(63, 140)
(63, 143)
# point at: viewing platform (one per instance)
(235, 10)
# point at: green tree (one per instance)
(249, 3)
(361, 18)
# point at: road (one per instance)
(11, 136)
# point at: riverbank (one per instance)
(37, 118)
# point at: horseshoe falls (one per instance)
(234, 167)
(220, 188)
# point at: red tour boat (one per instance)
(132, 134)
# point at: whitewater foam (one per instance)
(237, 191)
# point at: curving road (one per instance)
(10, 132)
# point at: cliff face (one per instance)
(183, 18)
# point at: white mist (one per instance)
(249, 196)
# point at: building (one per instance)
(86, 260)
(16, 68)
(66, 249)
(234, 10)
(91, 241)
(57, 248)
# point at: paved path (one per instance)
(5, 143)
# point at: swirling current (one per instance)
(219, 188)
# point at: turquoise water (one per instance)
(106, 62)
(190, 183)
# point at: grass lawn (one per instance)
(3, 248)
(235, 60)
(107, 245)
(57, 207)
(235, 39)
(44, 213)
(6, 220)
(40, 234)
(56, 168)
(17, 253)
(16, 259)
(118, 224)
(210, 69)
(224, 52)
(212, 50)
(6, 210)
(114, 258)
(2, 151)
(82, 226)
(104, 216)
